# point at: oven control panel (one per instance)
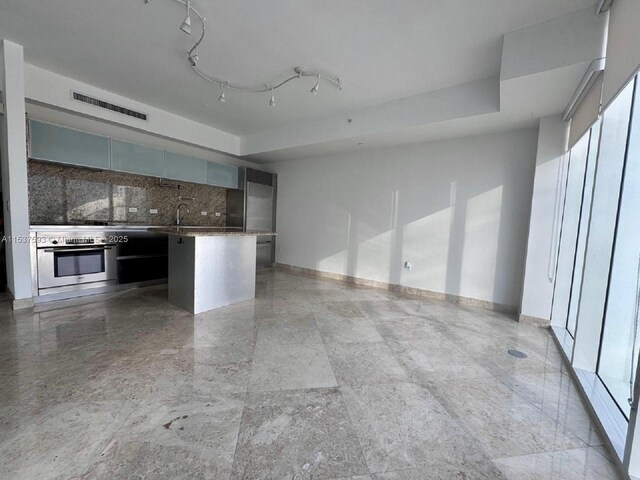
(75, 239)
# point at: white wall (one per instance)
(545, 218)
(457, 210)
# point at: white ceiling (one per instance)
(382, 50)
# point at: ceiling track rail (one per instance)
(225, 85)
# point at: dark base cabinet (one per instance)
(142, 270)
(142, 257)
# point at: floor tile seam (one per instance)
(324, 348)
(594, 448)
(98, 454)
(237, 440)
(541, 410)
(457, 418)
(419, 467)
(353, 430)
(342, 402)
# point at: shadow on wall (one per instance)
(458, 211)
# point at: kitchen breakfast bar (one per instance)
(210, 267)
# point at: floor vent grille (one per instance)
(80, 97)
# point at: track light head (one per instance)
(186, 23)
(222, 98)
(272, 100)
(193, 58)
(316, 87)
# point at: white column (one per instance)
(548, 190)
(14, 174)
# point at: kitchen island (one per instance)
(210, 267)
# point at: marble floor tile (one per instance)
(576, 464)
(355, 477)
(483, 469)
(558, 397)
(278, 366)
(317, 296)
(433, 357)
(204, 371)
(346, 330)
(287, 331)
(301, 435)
(503, 423)
(343, 309)
(174, 439)
(126, 385)
(381, 308)
(60, 441)
(364, 363)
(402, 426)
(407, 328)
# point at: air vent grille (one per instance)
(108, 106)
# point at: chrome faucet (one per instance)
(178, 219)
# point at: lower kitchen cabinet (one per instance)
(143, 257)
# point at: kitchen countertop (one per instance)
(187, 231)
(93, 228)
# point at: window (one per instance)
(581, 245)
(618, 355)
(574, 191)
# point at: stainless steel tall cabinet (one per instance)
(253, 207)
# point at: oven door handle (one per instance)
(67, 249)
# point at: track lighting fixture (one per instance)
(193, 59)
(316, 87)
(186, 23)
(222, 98)
(272, 100)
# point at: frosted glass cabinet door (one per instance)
(187, 169)
(222, 175)
(65, 145)
(132, 158)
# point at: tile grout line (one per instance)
(244, 402)
(108, 443)
(344, 406)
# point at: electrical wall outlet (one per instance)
(133, 209)
(218, 214)
(153, 210)
(408, 266)
(204, 214)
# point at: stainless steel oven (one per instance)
(74, 260)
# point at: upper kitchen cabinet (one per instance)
(222, 175)
(65, 145)
(132, 158)
(187, 169)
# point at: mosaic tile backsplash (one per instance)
(62, 195)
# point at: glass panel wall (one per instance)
(569, 228)
(619, 348)
(581, 245)
(597, 283)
